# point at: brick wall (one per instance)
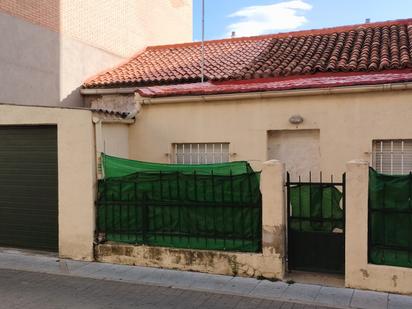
(121, 27)
(45, 13)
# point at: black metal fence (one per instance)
(316, 224)
(182, 211)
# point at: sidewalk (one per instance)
(280, 291)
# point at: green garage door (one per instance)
(28, 187)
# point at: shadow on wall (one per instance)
(73, 98)
(30, 52)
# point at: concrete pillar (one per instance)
(272, 186)
(356, 225)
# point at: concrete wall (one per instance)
(358, 272)
(49, 47)
(76, 169)
(347, 124)
(269, 264)
(40, 67)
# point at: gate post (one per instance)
(356, 225)
(272, 186)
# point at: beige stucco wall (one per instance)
(358, 272)
(115, 139)
(347, 124)
(76, 172)
(270, 263)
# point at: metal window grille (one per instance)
(200, 153)
(393, 157)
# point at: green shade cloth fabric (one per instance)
(390, 219)
(117, 167)
(315, 207)
(182, 209)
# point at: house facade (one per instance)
(50, 46)
(322, 102)
(312, 99)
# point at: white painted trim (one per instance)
(97, 91)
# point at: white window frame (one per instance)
(392, 156)
(196, 156)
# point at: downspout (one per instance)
(98, 133)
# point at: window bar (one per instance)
(176, 155)
(190, 154)
(198, 153)
(206, 153)
(221, 153)
(213, 153)
(183, 153)
(402, 149)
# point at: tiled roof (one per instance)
(320, 80)
(359, 48)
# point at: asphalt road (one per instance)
(22, 289)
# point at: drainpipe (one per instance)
(98, 135)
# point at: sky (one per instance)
(256, 17)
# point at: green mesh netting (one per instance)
(182, 209)
(315, 207)
(116, 167)
(390, 219)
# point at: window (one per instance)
(393, 157)
(201, 153)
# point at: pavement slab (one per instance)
(166, 286)
(369, 299)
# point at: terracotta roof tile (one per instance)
(367, 47)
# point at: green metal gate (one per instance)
(28, 187)
(316, 225)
